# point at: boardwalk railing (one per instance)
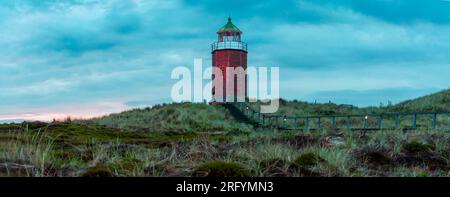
(370, 121)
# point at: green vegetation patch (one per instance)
(75, 133)
(417, 147)
(308, 159)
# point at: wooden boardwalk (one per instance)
(379, 121)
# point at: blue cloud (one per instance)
(78, 44)
(400, 11)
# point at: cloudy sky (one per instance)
(87, 58)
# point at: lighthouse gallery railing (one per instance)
(229, 45)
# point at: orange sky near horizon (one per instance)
(75, 111)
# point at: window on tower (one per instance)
(229, 38)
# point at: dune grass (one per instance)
(93, 152)
(186, 139)
(178, 117)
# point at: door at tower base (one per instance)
(232, 65)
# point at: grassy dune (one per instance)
(438, 102)
(202, 140)
(178, 117)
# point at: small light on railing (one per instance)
(247, 108)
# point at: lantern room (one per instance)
(229, 33)
(229, 37)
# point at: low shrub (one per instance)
(308, 159)
(417, 147)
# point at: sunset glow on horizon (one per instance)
(74, 112)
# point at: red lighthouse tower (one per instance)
(229, 53)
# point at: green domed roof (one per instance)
(229, 27)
